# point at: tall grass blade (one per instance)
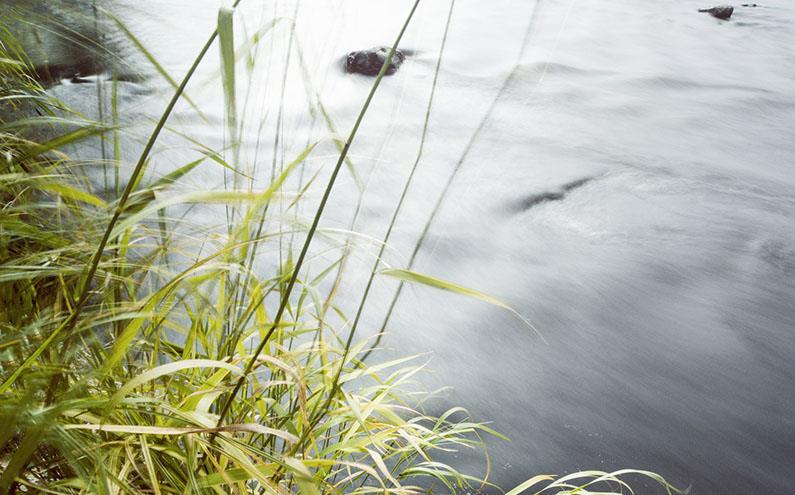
(410, 276)
(226, 39)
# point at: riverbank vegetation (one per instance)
(133, 361)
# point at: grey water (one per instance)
(625, 175)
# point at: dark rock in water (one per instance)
(369, 62)
(547, 196)
(76, 79)
(750, 5)
(66, 40)
(721, 11)
(75, 69)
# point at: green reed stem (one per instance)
(407, 186)
(448, 185)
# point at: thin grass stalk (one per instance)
(341, 270)
(278, 145)
(277, 142)
(153, 61)
(458, 166)
(407, 186)
(100, 105)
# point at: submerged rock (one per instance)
(65, 40)
(369, 62)
(547, 196)
(721, 11)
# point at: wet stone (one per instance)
(721, 11)
(369, 62)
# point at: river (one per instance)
(661, 284)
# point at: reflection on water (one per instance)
(663, 285)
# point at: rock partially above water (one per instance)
(65, 41)
(369, 62)
(547, 196)
(721, 11)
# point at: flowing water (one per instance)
(624, 179)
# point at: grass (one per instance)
(133, 362)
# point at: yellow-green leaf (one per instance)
(420, 278)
